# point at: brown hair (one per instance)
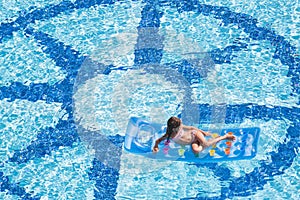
(173, 122)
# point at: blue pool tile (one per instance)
(220, 56)
(53, 11)
(63, 55)
(205, 112)
(106, 177)
(246, 185)
(193, 73)
(284, 50)
(48, 140)
(237, 113)
(60, 92)
(199, 198)
(70, 61)
(260, 33)
(150, 20)
(205, 9)
(67, 58)
(6, 29)
(22, 21)
(223, 173)
(106, 180)
(150, 16)
(145, 56)
(108, 149)
(218, 12)
(14, 189)
(89, 3)
(117, 140)
(17, 90)
(190, 72)
(106, 164)
(185, 5)
(294, 130)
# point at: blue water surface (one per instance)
(43, 149)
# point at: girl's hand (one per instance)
(230, 137)
(155, 149)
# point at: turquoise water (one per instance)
(72, 75)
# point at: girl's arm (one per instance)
(159, 140)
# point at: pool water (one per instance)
(74, 72)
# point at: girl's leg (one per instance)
(206, 143)
(197, 148)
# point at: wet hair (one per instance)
(172, 123)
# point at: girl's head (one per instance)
(172, 125)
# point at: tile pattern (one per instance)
(64, 134)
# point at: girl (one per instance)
(185, 135)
